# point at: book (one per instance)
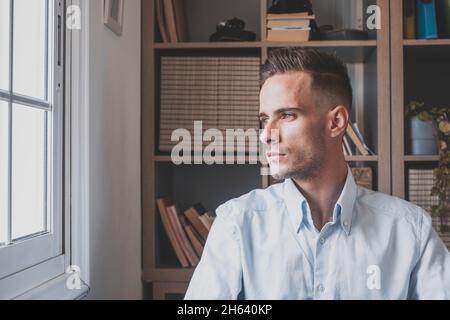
(288, 35)
(302, 23)
(206, 221)
(198, 247)
(197, 235)
(358, 133)
(426, 19)
(159, 7)
(344, 151)
(163, 203)
(194, 218)
(363, 177)
(409, 19)
(290, 28)
(169, 13)
(181, 21)
(182, 237)
(358, 143)
(290, 16)
(347, 146)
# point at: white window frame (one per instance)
(51, 254)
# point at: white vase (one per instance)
(423, 140)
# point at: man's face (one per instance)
(294, 127)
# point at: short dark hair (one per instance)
(329, 74)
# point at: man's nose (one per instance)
(270, 133)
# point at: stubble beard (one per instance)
(306, 166)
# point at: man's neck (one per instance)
(323, 191)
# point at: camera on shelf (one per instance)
(232, 30)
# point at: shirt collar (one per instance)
(298, 209)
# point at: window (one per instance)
(31, 137)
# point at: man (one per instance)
(317, 235)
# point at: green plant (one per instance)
(440, 119)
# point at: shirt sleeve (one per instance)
(430, 278)
(219, 273)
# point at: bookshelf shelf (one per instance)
(434, 42)
(208, 45)
(263, 44)
(350, 51)
(361, 158)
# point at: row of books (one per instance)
(172, 21)
(353, 139)
(426, 19)
(222, 92)
(420, 183)
(288, 26)
(187, 232)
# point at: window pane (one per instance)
(4, 44)
(3, 171)
(28, 171)
(29, 75)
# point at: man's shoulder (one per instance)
(257, 200)
(383, 204)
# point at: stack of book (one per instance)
(420, 183)
(357, 142)
(187, 232)
(221, 92)
(288, 26)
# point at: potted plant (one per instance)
(439, 117)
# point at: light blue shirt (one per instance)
(264, 245)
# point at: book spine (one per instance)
(409, 19)
(170, 230)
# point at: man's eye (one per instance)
(287, 116)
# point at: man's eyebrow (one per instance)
(281, 110)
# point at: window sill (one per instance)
(55, 289)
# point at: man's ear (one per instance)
(337, 121)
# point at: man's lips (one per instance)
(272, 154)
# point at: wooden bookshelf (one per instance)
(370, 60)
(421, 72)
(411, 57)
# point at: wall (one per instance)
(115, 203)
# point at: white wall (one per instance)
(115, 203)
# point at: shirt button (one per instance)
(345, 224)
(322, 240)
(321, 288)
